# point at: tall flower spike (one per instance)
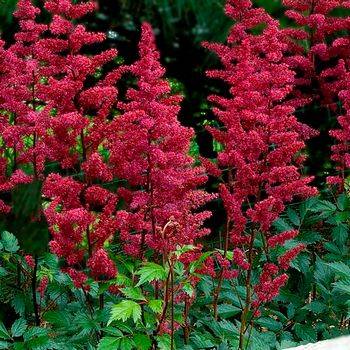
(261, 138)
(23, 112)
(81, 220)
(323, 64)
(66, 89)
(81, 214)
(321, 67)
(341, 149)
(149, 148)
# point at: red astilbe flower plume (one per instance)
(323, 67)
(80, 108)
(341, 149)
(49, 112)
(82, 221)
(261, 138)
(28, 110)
(149, 148)
(323, 62)
(22, 111)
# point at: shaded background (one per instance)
(180, 27)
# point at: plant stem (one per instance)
(35, 302)
(172, 305)
(221, 274)
(248, 293)
(166, 301)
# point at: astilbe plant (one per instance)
(52, 112)
(322, 65)
(149, 149)
(321, 62)
(262, 153)
(341, 149)
(146, 146)
(80, 105)
(81, 214)
(22, 110)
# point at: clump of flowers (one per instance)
(341, 149)
(149, 149)
(262, 146)
(22, 109)
(81, 212)
(322, 64)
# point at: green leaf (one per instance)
(282, 225)
(164, 342)
(9, 242)
(126, 344)
(342, 201)
(3, 272)
(151, 272)
(19, 327)
(306, 206)
(217, 146)
(184, 249)
(325, 208)
(142, 341)
(125, 310)
(19, 346)
(301, 263)
(342, 287)
(309, 237)
(202, 342)
(197, 264)
(305, 332)
(18, 303)
(316, 307)
(58, 318)
(156, 305)
(340, 269)
(340, 234)
(188, 289)
(4, 345)
(228, 310)
(269, 323)
(293, 216)
(194, 149)
(39, 343)
(229, 329)
(133, 293)
(287, 344)
(34, 332)
(108, 343)
(229, 254)
(4, 334)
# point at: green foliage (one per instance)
(314, 305)
(125, 310)
(151, 272)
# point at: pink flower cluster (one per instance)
(127, 173)
(149, 148)
(262, 140)
(323, 68)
